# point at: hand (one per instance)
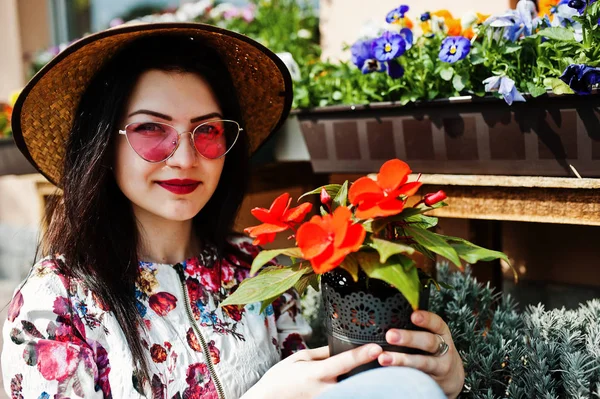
(309, 372)
(447, 370)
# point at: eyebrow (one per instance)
(168, 118)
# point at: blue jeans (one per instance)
(386, 383)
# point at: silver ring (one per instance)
(442, 348)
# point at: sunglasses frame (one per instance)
(191, 133)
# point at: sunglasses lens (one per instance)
(215, 138)
(152, 141)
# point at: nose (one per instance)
(185, 156)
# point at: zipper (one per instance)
(205, 350)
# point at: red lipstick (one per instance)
(179, 186)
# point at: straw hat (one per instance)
(44, 112)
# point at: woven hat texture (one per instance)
(44, 112)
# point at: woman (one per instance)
(141, 127)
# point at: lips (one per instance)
(179, 186)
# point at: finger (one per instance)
(430, 321)
(349, 360)
(423, 340)
(320, 353)
(436, 366)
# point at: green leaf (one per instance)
(558, 33)
(332, 190)
(350, 264)
(434, 243)
(267, 255)
(398, 271)
(477, 59)
(265, 304)
(511, 48)
(266, 285)
(558, 86)
(304, 282)
(387, 248)
(458, 82)
(422, 221)
(534, 90)
(472, 253)
(342, 195)
(447, 73)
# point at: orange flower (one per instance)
(279, 217)
(325, 241)
(481, 18)
(380, 198)
(454, 26)
(442, 14)
(547, 7)
(468, 33)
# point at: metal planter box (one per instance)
(541, 137)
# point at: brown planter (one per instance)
(12, 162)
(541, 137)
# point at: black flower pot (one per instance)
(358, 313)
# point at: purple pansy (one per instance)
(396, 14)
(581, 78)
(394, 69)
(454, 48)
(505, 86)
(364, 58)
(389, 46)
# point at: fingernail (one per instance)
(374, 351)
(417, 318)
(385, 359)
(394, 337)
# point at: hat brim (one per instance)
(44, 112)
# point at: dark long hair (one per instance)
(92, 225)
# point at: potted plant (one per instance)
(11, 159)
(358, 249)
(463, 96)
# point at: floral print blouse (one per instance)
(60, 341)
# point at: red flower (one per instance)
(234, 312)
(158, 353)
(15, 306)
(192, 340)
(56, 360)
(433, 198)
(215, 354)
(380, 198)
(276, 219)
(162, 303)
(325, 197)
(326, 241)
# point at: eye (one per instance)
(149, 129)
(210, 129)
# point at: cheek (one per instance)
(130, 170)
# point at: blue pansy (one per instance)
(408, 37)
(394, 69)
(454, 48)
(516, 23)
(579, 5)
(426, 16)
(396, 14)
(364, 58)
(389, 46)
(581, 78)
(505, 86)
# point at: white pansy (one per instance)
(304, 34)
(468, 20)
(291, 64)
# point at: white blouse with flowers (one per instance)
(60, 341)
